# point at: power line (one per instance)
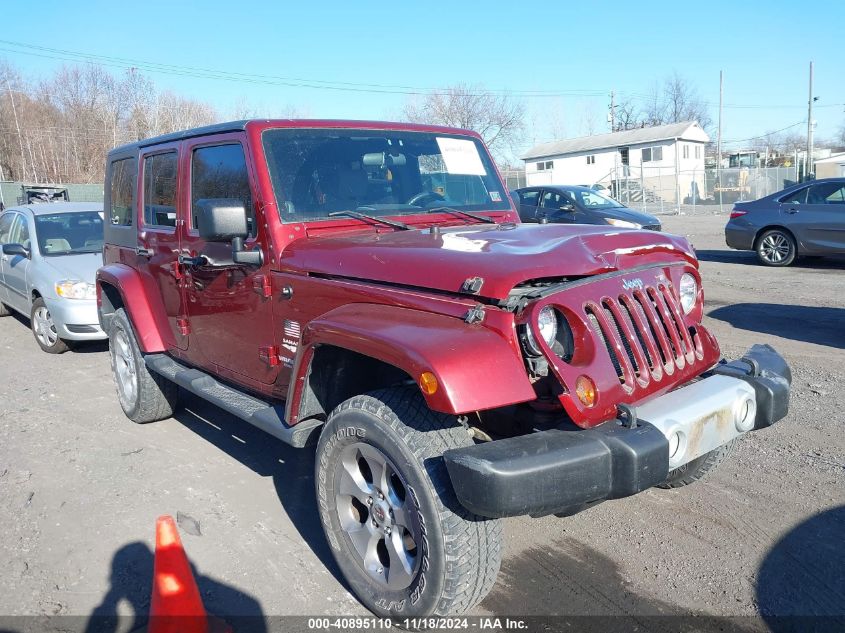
(752, 138)
(319, 84)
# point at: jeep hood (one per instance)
(502, 255)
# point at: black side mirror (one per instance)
(224, 220)
(221, 219)
(16, 249)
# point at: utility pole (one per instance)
(612, 116)
(719, 143)
(808, 164)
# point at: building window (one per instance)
(591, 159)
(545, 165)
(541, 166)
(685, 150)
(652, 154)
(698, 151)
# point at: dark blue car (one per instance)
(578, 205)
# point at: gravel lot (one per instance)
(81, 486)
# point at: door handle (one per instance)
(187, 260)
(792, 211)
(144, 252)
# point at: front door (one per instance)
(16, 267)
(158, 238)
(558, 207)
(816, 215)
(229, 316)
(7, 221)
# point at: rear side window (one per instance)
(220, 171)
(529, 198)
(796, 197)
(6, 221)
(160, 189)
(123, 179)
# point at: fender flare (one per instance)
(475, 367)
(145, 312)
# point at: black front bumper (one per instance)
(563, 471)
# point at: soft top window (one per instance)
(317, 172)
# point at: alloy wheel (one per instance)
(377, 512)
(124, 368)
(775, 248)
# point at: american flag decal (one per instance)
(292, 329)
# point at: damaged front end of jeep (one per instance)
(630, 386)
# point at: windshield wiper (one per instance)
(364, 216)
(475, 216)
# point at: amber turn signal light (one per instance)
(585, 389)
(428, 383)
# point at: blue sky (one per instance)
(583, 49)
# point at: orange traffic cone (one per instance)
(176, 606)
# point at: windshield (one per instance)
(69, 233)
(318, 172)
(594, 200)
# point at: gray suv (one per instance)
(50, 255)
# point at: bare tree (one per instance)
(499, 119)
(673, 100)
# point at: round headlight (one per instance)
(688, 289)
(547, 326)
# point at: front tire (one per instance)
(144, 395)
(776, 247)
(698, 468)
(398, 533)
(44, 329)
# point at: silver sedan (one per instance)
(50, 254)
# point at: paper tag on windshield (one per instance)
(461, 156)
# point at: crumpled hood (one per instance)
(502, 257)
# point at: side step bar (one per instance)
(267, 417)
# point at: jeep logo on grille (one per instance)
(630, 284)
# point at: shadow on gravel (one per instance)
(569, 586)
(804, 575)
(729, 256)
(819, 325)
(292, 469)
(131, 579)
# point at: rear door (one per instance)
(230, 318)
(158, 232)
(529, 201)
(816, 215)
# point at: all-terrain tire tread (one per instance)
(472, 543)
(157, 396)
(698, 468)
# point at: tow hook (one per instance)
(627, 416)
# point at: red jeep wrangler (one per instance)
(368, 286)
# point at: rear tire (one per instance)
(44, 329)
(776, 247)
(698, 468)
(402, 540)
(144, 396)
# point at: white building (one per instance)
(664, 160)
(831, 167)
